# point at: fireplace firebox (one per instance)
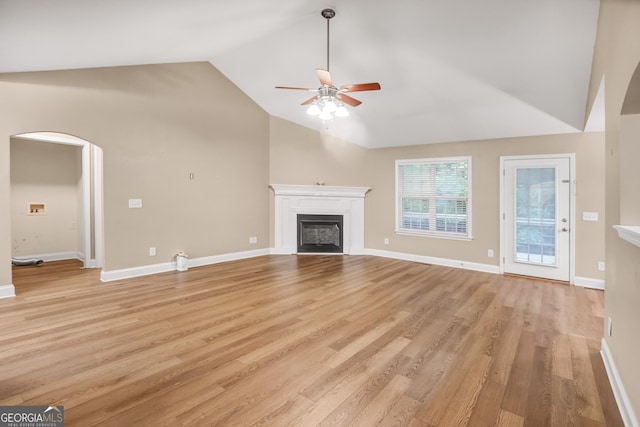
(320, 234)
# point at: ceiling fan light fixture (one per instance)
(341, 111)
(313, 110)
(330, 106)
(325, 115)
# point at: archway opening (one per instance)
(56, 198)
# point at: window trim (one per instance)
(432, 233)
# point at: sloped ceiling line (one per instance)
(449, 71)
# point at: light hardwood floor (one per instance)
(305, 341)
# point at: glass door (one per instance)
(536, 218)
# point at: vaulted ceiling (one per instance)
(451, 70)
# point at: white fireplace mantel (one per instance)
(291, 200)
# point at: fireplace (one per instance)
(293, 200)
(320, 234)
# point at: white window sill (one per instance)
(630, 233)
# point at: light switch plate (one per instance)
(589, 216)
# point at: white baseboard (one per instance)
(274, 251)
(144, 270)
(485, 268)
(7, 291)
(586, 282)
(108, 276)
(56, 256)
(624, 405)
(127, 273)
(215, 259)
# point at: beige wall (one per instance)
(617, 55)
(629, 170)
(303, 156)
(380, 205)
(156, 125)
(47, 173)
(299, 155)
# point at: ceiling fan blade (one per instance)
(324, 76)
(310, 100)
(349, 100)
(295, 88)
(361, 87)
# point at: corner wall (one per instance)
(156, 124)
(302, 156)
(380, 203)
(617, 54)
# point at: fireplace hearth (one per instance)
(320, 234)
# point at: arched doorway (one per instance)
(89, 212)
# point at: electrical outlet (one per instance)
(386, 240)
(152, 251)
(253, 239)
(609, 326)
(600, 265)
(490, 253)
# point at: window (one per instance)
(433, 197)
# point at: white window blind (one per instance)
(434, 197)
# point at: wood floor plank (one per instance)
(508, 419)
(538, 408)
(358, 344)
(607, 399)
(367, 392)
(487, 409)
(462, 403)
(563, 401)
(588, 403)
(305, 340)
(402, 413)
(376, 410)
(346, 385)
(515, 397)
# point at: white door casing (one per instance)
(537, 216)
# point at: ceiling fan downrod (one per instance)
(328, 14)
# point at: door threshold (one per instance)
(544, 279)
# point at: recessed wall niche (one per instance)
(37, 209)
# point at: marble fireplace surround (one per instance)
(291, 200)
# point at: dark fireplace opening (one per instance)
(320, 233)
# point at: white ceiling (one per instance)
(450, 70)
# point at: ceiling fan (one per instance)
(330, 99)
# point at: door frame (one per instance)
(92, 182)
(572, 206)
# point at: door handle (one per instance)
(564, 229)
